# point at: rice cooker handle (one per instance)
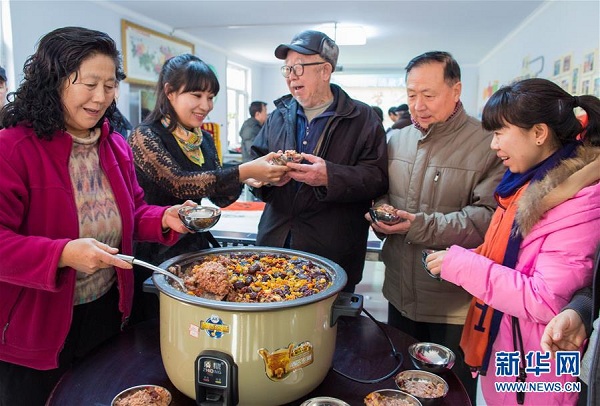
(346, 304)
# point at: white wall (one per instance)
(31, 20)
(50, 15)
(272, 85)
(470, 80)
(556, 29)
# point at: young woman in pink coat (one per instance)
(540, 246)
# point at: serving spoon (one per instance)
(131, 260)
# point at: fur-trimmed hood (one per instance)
(559, 185)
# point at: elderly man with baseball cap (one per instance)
(319, 206)
(3, 86)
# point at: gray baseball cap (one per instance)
(311, 43)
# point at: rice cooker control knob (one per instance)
(216, 379)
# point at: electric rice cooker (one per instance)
(262, 354)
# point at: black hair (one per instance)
(256, 107)
(60, 53)
(378, 112)
(187, 73)
(451, 68)
(534, 101)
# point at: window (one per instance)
(238, 84)
(383, 90)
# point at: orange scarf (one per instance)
(481, 325)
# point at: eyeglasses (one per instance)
(298, 68)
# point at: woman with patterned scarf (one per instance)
(176, 161)
(539, 248)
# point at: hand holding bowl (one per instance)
(199, 218)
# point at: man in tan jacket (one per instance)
(442, 179)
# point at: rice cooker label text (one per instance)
(280, 363)
(214, 326)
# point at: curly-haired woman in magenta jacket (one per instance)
(69, 201)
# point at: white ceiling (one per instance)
(396, 30)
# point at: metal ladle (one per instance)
(131, 260)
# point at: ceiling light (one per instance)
(346, 34)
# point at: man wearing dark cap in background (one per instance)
(318, 207)
(400, 117)
(403, 119)
(3, 86)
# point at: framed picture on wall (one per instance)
(557, 65)
(563, 81)
(575, 81)
(589, 62)
(585, 86)
(566, 64)
(145, 51)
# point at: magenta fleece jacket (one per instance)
(555, 260)
(37, 218)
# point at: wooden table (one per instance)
(133, 358)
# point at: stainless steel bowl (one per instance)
(378, 214)
(393, 394)
(199, 218)
(165, 394)
(431, 357)
(324, 401)
(405, 379)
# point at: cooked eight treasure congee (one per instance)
(255, 278)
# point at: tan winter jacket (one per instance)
(446, 177)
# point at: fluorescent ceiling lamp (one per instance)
(346, 34)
